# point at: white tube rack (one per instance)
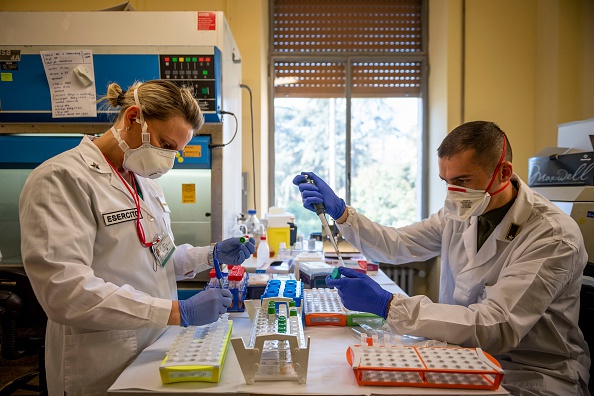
(272, 355)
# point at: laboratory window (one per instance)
(349, 103)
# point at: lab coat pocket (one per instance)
(93, 361)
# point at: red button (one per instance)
(166, 59)
(208, 59)
(201, 59)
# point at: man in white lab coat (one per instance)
(97, 244)
(511, 266)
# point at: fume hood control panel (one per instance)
(195, 72)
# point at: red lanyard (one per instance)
(136, 198)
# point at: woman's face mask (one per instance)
(462, 203)
(147, 160)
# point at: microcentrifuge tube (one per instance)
(374, 341)
(271, 314)
(363, 339)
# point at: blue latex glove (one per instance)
(319, 193)
(360, 293)
(204, 307)
(232, 251)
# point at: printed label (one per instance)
(120, 216)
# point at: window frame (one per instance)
(348, 59)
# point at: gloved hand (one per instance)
(204, 307)
(319, 193)
(231, 251)
(360, 293)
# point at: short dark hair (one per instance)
(484, 137)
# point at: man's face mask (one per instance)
(147, 160)
(461, 202)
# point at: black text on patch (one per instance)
(120, 216)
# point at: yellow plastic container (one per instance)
(277, 235)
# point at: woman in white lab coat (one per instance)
(105, 278)
(511, 266)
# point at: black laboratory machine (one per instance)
(55, 65)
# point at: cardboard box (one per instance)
(558, 166)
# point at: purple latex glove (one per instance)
(360, 293)
(232, 251)
(204, 307)
(319, 193)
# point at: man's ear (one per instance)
(507, 171)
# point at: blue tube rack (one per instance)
(284, 288)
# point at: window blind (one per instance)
(388, 29)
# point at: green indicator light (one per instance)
(205, 72)
(194, 59)
(187, 59)
(175, 59)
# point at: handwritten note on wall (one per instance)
(71, 79)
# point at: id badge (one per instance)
(163, 247)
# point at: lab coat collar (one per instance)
(518, 214)
(94, 158)
(504, 233)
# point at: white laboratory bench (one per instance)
(328, 374)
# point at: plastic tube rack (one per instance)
(277, 348)
(432, 367)
(235, 281)
(197, 353)
(324, 307)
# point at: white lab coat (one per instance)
(104, 301)
(517, 298)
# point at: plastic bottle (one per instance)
(283, 253)
(253, 226)
(263, 252)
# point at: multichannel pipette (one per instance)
(321, 212)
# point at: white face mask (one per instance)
(147, 160)
(461, 203)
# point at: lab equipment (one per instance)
(201, 190)
(278, 229)
(433, 367)
(263, 252)
(324, 307)
(361, 293)
(313, 273)
(576, 200)
(291, 289)
(254, 227)
(277, 348)
(321, 212)
(236, 281)
(197, 353)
